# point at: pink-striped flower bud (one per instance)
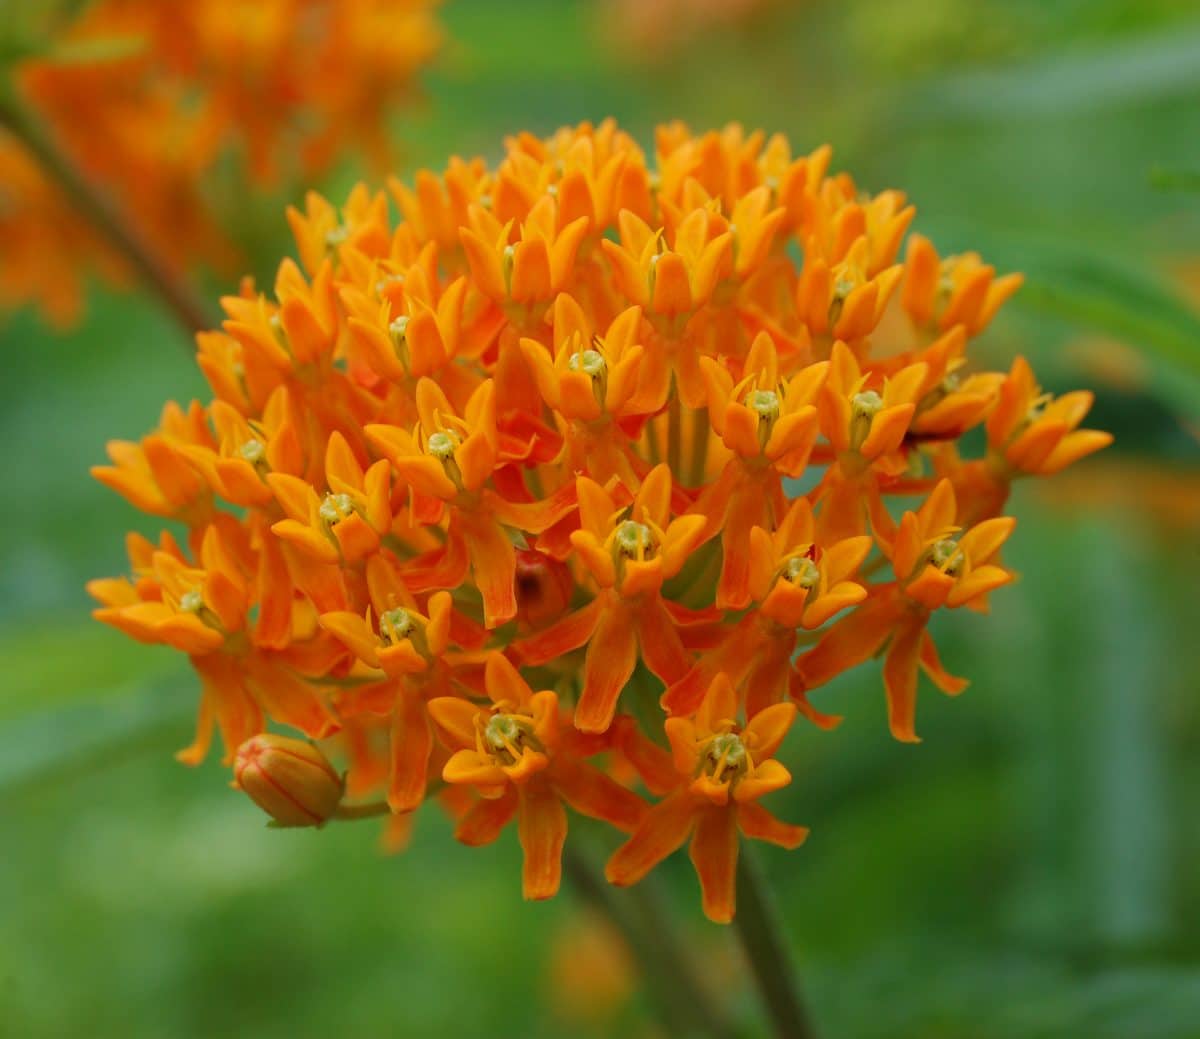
(290, 780)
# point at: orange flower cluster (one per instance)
(151, 98)
(500, 500)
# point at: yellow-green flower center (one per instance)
(764, 403)
(336, 507)
(507, 736)
(396, 625)
(803, 572)
(946, 555)
(590, 362)
(253, 451)
(867, 404)
(442, 444)
(725, 758)
(635, 540)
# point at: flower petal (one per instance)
(664, 829)
(714, 853)
(542, 828)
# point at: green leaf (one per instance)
(70, 742)
(1175, 178)
(1131, 71)
(1094, 288)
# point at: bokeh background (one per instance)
(1031, 870)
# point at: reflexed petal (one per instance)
(664, 829)
(486, 818)
(900, 680)
(611, 658)
(411, 745)
(756, 822)
(542, 827)
(714, 853)
(595, 794)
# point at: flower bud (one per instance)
(543, 587)
(289, 779)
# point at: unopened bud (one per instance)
(544, 587)
(289, 779)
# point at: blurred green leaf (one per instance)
(1168, 178)
(1132, 71)
(1100, 291)
(69, 742)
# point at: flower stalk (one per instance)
(98, 209)
(767, 953)
(684, 1005)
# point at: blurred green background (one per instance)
(1031, 870)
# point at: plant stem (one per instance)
(675, 433)
(766, 950)
(99, 210)
(682, 1003)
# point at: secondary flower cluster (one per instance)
(153, 99)
(528, 500)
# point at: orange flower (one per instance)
(205, 83)
(451, 459)
(513, 753)
(770, 425)
(933, 568)
(582, 422)
(412, 649)
(595, 383)
(154, 475)
(797, 585)
(629, 555)
(723, 770)
(957, 290)
(1034, 433)
(528, 269)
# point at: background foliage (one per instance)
(1030, 870)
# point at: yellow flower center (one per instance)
(863, 409)
(336, 507)
(867, 404)
(395, 626)
(590, 362)
(946, 556)
(764, 403)
(635, 540)
(254, 452)
(802, 572)
(443, 443)
(725, 758)
(508, 736)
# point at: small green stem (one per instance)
(675, 433)
(683, 1005)
(99, 210)
(766, 950)
(698, 451)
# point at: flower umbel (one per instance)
(499, 501)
